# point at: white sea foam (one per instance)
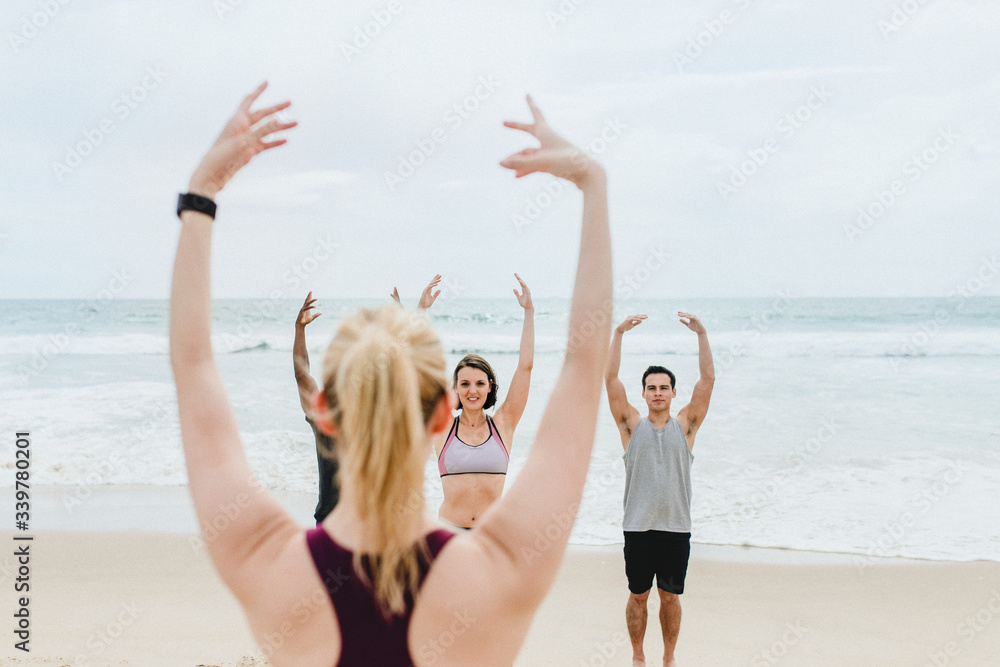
(907, 408)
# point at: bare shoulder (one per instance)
(473, 595)
(286, 600)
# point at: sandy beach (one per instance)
(102, 598)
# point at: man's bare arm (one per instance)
(626, 416)
(300, 355)
(694, 412)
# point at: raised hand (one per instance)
(428, 296)
(524, 296)
(631, 322)
(242, 138)
(395, 297)
(555, 155)
(306, 314)
(693, 323)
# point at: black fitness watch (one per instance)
(190, 202)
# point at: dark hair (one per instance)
(477, 362)
(658, 369)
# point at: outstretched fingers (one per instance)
(536, 113)
(521, 162)
(257, 116)
(525, 127)
(530, 128)
(252, 97)
(272, 126)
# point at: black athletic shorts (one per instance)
(656, 552)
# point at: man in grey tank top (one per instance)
(657, 523)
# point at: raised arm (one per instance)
(218, 473)
(509, 414)
(546, 494)
(693, 414)
(428, 296)
(626, 416)
(300, 354)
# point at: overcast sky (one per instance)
(753, 147)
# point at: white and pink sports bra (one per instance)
(459, 458)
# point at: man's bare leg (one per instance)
(670, 623)
(635, 618)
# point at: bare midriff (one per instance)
(467, 496)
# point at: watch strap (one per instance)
(191, 202)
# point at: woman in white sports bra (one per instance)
(472, 459)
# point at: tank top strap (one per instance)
(495, 432)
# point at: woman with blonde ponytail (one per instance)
(383, 377)
(378, 582)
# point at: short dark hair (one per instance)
(477, 362)
(658, 369)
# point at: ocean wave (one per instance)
(262, 345)
(724, 344)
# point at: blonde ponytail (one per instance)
(383, 374)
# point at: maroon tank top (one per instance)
(367, 638)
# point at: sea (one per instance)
(868, 427)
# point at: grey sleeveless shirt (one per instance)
(658, 479)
